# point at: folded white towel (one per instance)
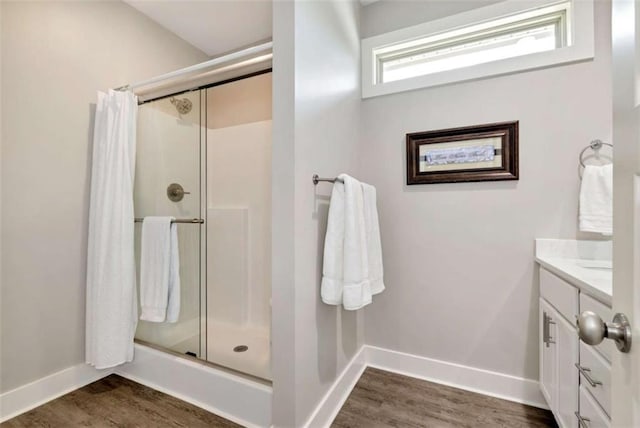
(332, 271)
(374, 247)
(159, 270)
(596, 199)
(356, 291)
(352, 253)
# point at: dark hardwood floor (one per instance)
(384, 399)
(117, 402)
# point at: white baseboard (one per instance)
(472, 379)
(36, 393)
(334, 399)
(233, 397)
(494, 384)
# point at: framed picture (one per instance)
(472, 153)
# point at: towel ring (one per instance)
(595, 145)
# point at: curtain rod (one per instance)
(216, 61)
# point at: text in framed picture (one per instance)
(472, 153)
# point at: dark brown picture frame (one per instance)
(508, 133)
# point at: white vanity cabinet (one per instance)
(574, 377)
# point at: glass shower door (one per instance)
(216, 144)
(168, 155)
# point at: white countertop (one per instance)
(584, 264)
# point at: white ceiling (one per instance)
(215, 26)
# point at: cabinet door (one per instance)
(590, 412)
(547, 354)
(567, 374)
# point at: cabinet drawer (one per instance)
(591, 413)
(599, 370)
(562, 295)
(588, 303)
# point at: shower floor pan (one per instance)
(226, 345)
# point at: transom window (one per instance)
(450, 50)
(432, 48)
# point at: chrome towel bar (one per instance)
(316, 179)
(178, 220)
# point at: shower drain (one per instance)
(240, 348)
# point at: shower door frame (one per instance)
(203, 227)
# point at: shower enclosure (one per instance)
(206, 154)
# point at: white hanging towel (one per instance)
(333, 259)
(374, 247)
(111, 304)
(352, 228)
(159, 270)
(596, 199)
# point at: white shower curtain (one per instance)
(112, 309)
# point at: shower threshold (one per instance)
(205, 363)
(204, 384)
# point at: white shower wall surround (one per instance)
(239, 204)
(239, 225)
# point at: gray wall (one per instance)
(316, 116)
(55, 56)
(283, 316)
(390, 15)
(459, 268)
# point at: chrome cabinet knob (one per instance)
(593, 330)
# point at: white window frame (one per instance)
(580, 46)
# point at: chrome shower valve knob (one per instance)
(175, 192)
